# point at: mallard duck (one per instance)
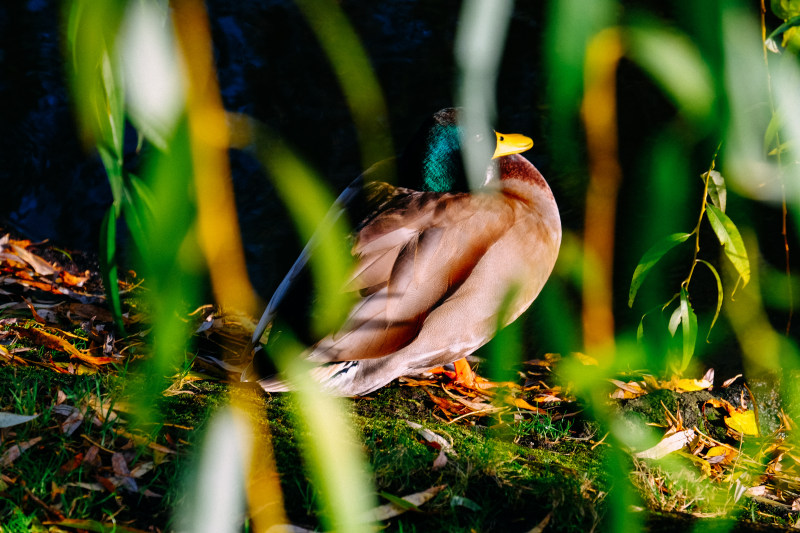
(434, 266)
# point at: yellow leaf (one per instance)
(522, 404)
(743, 422)
(717, 450)
(721, 455)
(691, 385)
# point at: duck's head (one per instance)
(433, 160)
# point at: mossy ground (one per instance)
(506, 472)
(494, 479)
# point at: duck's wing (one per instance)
(410, 258)
(360, 199)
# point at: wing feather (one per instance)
(410, 258)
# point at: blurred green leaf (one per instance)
(771, 133)
(137, 206)
(91, 35)
(731, 241)
(784, 9)
(308, 201)
(719, 294)
(215, 494)
(787, 29)
(676, 65)
(649, 260)
(108, 265)
(572, 23)
(478, 50)
(717, 190)
(153, 74)
(461, 501)
(506, 348)
(172, 262)
(336, 465)
(674, 321)
(688, 328)
(355, 75)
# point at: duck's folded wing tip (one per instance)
(274, 384)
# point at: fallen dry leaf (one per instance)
(668, 444)
(122, 473)
(38, 264)
(443, 444)
(74, 418)
(720, 454)
(390, 510)
(539, 528)
(13, 453)
(743, 422)
(522, 404)
(54, 342)
(626, 391)
(8, 420)
(692, 385)
(729, 382)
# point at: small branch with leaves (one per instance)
(683, 316)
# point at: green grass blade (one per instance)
(688, 328)
(108, 265)
(137, 207)
(731, 241)
(649, 260)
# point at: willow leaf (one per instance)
(688, 327)
(649, 260)
(717, 190)
(108, 265)
(731, 241)
(719, 295)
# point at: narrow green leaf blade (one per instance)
(731, 241)
(108, 265)
(649, 260)
(400, 502)
(137, 207)
(688, 327)
(719, 294)
(771, 133)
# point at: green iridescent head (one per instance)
(433, 160)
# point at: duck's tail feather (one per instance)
(337, 379)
